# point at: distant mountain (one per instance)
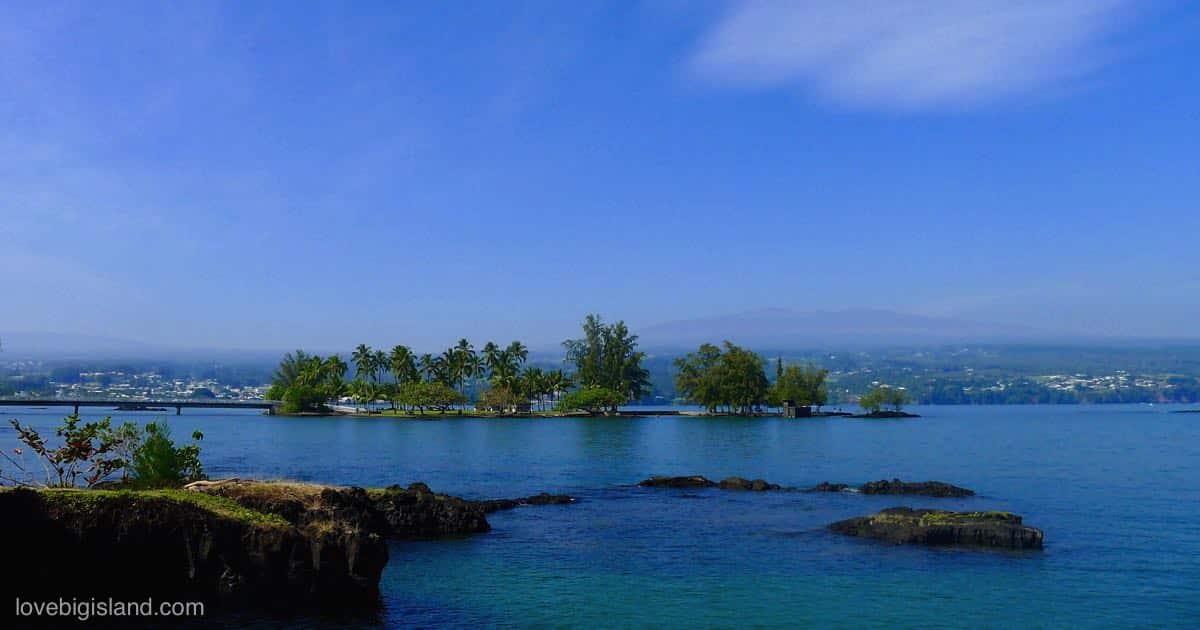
(780, 328)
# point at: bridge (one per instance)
(144, 405)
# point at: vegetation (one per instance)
(593, 400)
(82, 500)
(304, 383)
(498, 399)
(92, 452)
(803, 385)
(731, 379)
(606, 358)
(883, 397)
(158, 463)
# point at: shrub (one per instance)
(90, 452)
(158, 463)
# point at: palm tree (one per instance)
(519, 351)
(491, 355)
(289, 368)
(427, 366)
(379, 364)
(363, 359)
(533, 384)
(362, 392)
(403, 365)
(335, 367)
(467, 365)
(472, 370)
(557, 382)
(504, 372)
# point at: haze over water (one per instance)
(1114, 487)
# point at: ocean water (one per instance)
(1115, 488)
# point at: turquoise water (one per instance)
(1116, 489)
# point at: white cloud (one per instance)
(910, 54)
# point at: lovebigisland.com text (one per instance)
(87, 609)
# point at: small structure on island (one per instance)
(792, 410)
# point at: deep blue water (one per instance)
(1116, 489)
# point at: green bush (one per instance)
(158, 463)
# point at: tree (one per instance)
(364, 360)
(423, 395)
(532, 384)
(379, 364)
(304, 382)
(593, 400)
(498, 399)
(881, 396)
(90, 452)
(732, 378)
(403, 365)
(606, 357)
(557, 382)
(491, 355)
(362, 391)
(506, 366)
(158, 463)
(466, 364)
(801, 385)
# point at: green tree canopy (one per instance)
(803, 385)
(732, 378)
(606, 357)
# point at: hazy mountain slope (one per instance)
(786, 328)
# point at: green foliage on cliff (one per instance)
(85, 500)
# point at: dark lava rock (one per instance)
(167, 545)
(738, 483)
(922, 488)
(693, 481)
(903, 525)
(417, 512)
(495, 505)
(825, 486)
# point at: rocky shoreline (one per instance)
(288, 545)
(271, 545)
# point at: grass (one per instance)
(82, 500)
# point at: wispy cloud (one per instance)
(911, 54)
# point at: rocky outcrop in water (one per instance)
(167, 544)
(418, 512)
(495, 505)
(897, 487)
(903, 525)
(922, 488)
(700, 481)
(755, 485)
(691, 481)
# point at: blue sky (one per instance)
(267, 175)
